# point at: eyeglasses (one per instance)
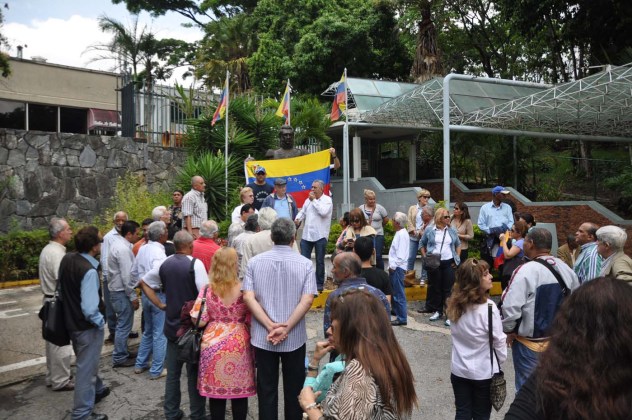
(354, 220)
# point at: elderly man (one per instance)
(57, 358)
(250, 228)
(280, 201)
(279, 289)
(610, 243)
(161, 213)
(316, 213)
(346, 271)
(260, 188)
(194, 207)
(153, 342)
(182, 278)
(236, 228)
(260, 241)
(397, 263)
(120, 217)
(588, 263)
(532, 299)
(364, 248)
(494, 218)
(122, 294)
(84, 312)
(206, 246)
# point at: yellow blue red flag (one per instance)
(221, 108)
(340, 100)
(284, 107)
(299, 172)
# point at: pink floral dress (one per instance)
(227, 368)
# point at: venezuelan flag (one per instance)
(221, 108)
(284, 107)
(300, 172)
(340, 103)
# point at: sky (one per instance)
(62, 30)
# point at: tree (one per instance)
(5, 66)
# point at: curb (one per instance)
(18, 283)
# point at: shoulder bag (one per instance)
(565, 290)
(53, 324)
(498, 385)
(189, 343)
(433, 261)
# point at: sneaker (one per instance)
(139, 370)
(447, 323)
(436, 316)
(100, 395)
(422, 282)
(162, 375)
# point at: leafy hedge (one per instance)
(20, 254)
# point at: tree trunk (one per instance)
(427, 64)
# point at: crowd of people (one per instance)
(249, 293)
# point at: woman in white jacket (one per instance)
(471, 368)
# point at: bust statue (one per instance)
(287, 149)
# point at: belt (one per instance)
(160, 290)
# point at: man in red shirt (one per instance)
(205, 246)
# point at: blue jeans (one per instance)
(173, 396)
(471, 398)
(87, 346)
(399, 295)
(153, 341)
(524, 361)
(413, 248)
(124, 320)
(379, 248)
(110, 316)
(306, 251)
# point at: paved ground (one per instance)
(23, 394)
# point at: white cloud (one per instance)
(66, 41)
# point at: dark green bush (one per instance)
(20, 254)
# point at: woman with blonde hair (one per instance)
(246, 196)
(226, 369)
(377, 382)
(472, 364)
(377, 217)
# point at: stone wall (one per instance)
(72, 175)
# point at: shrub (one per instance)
(20, 254)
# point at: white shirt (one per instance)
(444, 251)
(398, 254)
(49, 260)
(152, 277)
(470, 343)
(105, 247)
(235, 216)
(150, 255)
(317, 216)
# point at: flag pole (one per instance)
(226, 145)
(346, 206)
(289, 102)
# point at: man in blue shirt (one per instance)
(84, 312)
(494, 218)
(280, 201)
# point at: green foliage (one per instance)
(20, 254)
(211, 167)
(622, 183)
(132, 197)
(223, 227)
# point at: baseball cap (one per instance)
(499, 189)
(260, 170)
(280, 181)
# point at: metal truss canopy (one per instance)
(598, 105)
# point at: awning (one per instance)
(101, 118)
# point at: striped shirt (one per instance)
(279, 278)
(193, 205)
(588, 263)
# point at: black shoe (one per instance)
(129, 362)
(425, 311)
(99, 396)
(133, 334)
(131, 355)
(110, 339)
(95, 416)
(398, 323)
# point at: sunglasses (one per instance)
(424, 196)
(446, 217)
(354, 220)
(456, 208)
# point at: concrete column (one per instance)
(412, 162)
(357, 157)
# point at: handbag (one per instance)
(53, 324)
(189, 343)
(433, 261)
(498, 384)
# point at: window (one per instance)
(42, 117)
(12, 115)
(73, 120)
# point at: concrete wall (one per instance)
(73, 175)
(59, 85)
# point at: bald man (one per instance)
(194, 207)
